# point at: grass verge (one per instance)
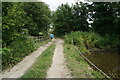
(43, 62)
(78, 66)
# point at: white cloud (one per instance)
(53, 4)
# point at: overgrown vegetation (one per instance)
(43, 62)
(90, 27)
(20, 48)
(21, 18)
(20, 23)
(77, 64)
(76, 17)
(89, 40)
(99, 23)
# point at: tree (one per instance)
(71, 18)
(13, 21)
(80, 16)
(18, 17)
(63, 19)
(105, 18)
(40, 14)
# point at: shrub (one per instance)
(6, 57)
(88, 40)
(19, 48)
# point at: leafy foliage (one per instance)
(63, 18)
(20, 48)
(35, 17)
(89, 40)
(19, 22)
(105, 17)
(71, 18)
(40, 15)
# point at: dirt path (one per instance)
(58, 68)
(18, 70)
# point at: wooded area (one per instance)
(97, 22)
(104, 16)
(86, 25)
(21, 21)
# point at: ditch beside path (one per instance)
(18, 70)
(58, 68)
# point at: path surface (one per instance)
(58, 68)
(18, 70)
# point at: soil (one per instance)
(58, 68)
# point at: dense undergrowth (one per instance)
(19, 48)
(89, 40)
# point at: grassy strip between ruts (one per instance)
(78, 66)
(43, 62)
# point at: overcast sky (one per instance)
(53, 4)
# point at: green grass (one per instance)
(43, 62)
(78, 66)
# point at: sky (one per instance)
(53, 4)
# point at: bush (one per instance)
(19, 48)
(113, 40)
(6, 57)
(23, 45)
(88, 40)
